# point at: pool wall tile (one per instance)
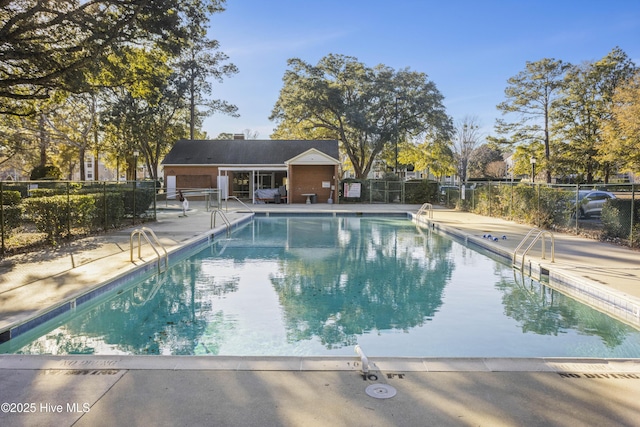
(594, 295)
(39, 320)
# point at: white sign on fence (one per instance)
(352, 189)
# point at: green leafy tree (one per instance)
(585, 107)
(51, 50)
(621, 134)
(530, 96)
(199, 62)
(51, 45)
(432, 155)
(73, 123)
(146, 112)
(366, 109)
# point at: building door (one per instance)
(241, 188)
(264, 180)
(171, 187)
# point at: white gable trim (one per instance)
(312, 157)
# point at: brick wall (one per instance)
(308, 179)
(193, 176)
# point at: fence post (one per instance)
(577, 208)
(155, 195)
(538, 204)
(511, 203)
(474, 199)
(68, 210)
(633, 213)
(104, 204)
(2, 247)
(134, 203)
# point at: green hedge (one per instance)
(11, 211)
(12, 216)
(58, 215)
(144, 198)
(109, 210)
(417, 192)
(616, 218)
(54, 216)
(543, 206)
(11, 198)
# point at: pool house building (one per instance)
(262, 171)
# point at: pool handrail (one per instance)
(140, 232)
(214, 215)
(540, 234)
(426, 207)
(239, 201)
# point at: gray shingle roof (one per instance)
(244, 152)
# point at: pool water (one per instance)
(317, 286)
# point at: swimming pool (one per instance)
(317, 286)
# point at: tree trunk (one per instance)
(44, 141)
(82, 163)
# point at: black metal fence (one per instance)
(607, 212)
(52, 211)
(379, 191)
(48, 212)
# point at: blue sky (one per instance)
(467, 48)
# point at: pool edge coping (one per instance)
(86, 363)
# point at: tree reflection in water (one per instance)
(378, 276)
(544, 311)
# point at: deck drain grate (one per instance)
(381, 391)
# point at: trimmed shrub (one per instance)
(54, 216)
(20, 187)
(12, 216)
(11, 198)
(46, 172)
(616, 217)
(11, 211)
(420, 191)
(46, 192)
(143, 200)
(109, 210)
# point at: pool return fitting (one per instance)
(376, 390)
(363, 359)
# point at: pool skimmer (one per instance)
(381, 391)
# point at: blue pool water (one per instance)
(314, 286)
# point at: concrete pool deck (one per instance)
(174, 390)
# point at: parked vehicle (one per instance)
(590, 202)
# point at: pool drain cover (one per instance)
(381, 391)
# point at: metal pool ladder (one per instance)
(214, 214)
(144, 232)
(426, 208)
(534, 237)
